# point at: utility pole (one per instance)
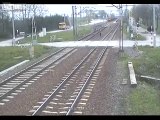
(80, 15)
(73, 22)
(64, 17)
(154, 26)
(13, 28)
(76, 21)
(121, 27)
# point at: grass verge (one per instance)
(60, 36)
(144, 100)
(10, 56)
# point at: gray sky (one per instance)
(67, 8)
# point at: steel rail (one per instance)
(86, 83)
(61, 85)
(10, 91)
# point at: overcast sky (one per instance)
(67, 8)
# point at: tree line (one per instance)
(23, 20)
(144, 12)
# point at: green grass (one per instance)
(8, 54)
(65, 35)
(140, 37)
(144, 100)
(126, 33)
(149, 62)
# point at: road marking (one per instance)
(18, 91)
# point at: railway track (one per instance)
(21, 80)
(71, 94)
(64, 97)
(28, 76)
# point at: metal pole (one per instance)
(80, 16)
(122, 26)
(73, 22)
(120, 31)
(64, 17)
(13, 40)
(32, 30)
(154, 26)
(76, 20)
